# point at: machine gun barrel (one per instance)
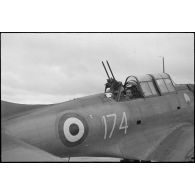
(110, 70)
(105, 70)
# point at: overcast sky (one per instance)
(50, 68)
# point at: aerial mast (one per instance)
(163, 64)
(163, 60)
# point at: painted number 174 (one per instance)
(123, 124)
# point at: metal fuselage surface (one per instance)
(159, 128)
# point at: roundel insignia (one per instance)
(73, 129)
(187, 98)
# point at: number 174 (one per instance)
(123, 124)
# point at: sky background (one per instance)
(41, 68)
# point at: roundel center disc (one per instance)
(74, 129)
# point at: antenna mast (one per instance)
(163, 65)
(163, 59)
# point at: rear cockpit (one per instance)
(138, 86)
(150, 85)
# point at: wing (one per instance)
(177, 146)
(14, 150)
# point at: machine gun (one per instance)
(114, 86)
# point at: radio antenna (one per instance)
(163, 65)
(163, 61)
(110, 70)
(105, 70)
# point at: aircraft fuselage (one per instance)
(101, 126)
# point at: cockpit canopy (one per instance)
(145, 86)
(164, 82)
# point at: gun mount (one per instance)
(112, 86)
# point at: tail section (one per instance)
(9, 109)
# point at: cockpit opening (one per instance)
(138, 86)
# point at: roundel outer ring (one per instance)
(62, 120)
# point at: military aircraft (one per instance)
(145, 119)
